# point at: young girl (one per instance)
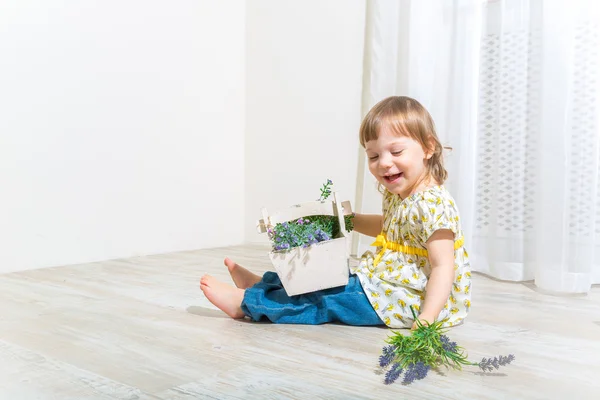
(420, 259)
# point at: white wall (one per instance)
(106, 112)
(303, 98)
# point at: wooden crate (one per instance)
(319, 266)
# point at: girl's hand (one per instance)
(424, 321)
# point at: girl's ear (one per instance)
(430, 150)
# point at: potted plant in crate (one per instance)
(309, 240)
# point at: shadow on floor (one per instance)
(206, 312)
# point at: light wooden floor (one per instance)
(141, 329)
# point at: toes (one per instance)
(229, 262)
(205, 285)
(205, 279)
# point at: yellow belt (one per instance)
(385, 245)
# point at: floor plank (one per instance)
(140, 328)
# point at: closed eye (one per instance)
(397, 153)
(373, 157)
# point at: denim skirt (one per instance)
(267, 300)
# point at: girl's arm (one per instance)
(368, 224)
(440, 247)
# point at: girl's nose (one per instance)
(385, 162)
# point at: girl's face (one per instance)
(398, 163)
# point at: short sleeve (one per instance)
(430, 215)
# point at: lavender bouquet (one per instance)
(426, 348)
(307, 231)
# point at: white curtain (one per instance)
(514, 87)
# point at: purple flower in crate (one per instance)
(310, 239)
(283, 246)
(296, 232)
(321, 236)
(393, 374)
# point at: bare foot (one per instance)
(242, 278)
(224, 296)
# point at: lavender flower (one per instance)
(388, 356)
(505, 360)
(393, 374)
(426, 348)
(325, 190)
(488, 364)
(447, 344)
(300, 221)
(415, 372)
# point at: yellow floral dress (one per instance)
(395, 277)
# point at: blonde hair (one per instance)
(407, 117)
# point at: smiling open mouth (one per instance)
(392, 178)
